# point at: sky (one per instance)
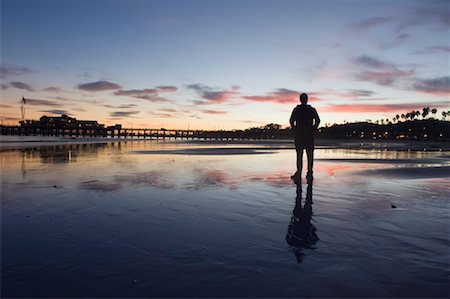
(222, 64)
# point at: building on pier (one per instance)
(61, 122)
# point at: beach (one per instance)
(177, 218)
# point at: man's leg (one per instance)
(310, 157)
(299, 161)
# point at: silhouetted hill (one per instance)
(428, 129)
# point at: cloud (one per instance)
(53, 89)
(162, 115)
(369, 23)
(435, 13)
(372, 62)
(168, 110)
(347, 94)
(98, 86)
(167, 88)
(148, 94)
(397, 40)
(214, 112)
(278, 96)
(383, 78)
(434, 49)
(147, 91)
(361, 92)
(64, 99)
(383, 108)
(121, 114)
(21, 85)
(379, 71)
(210, 96)
(9, 70)
(435, 86)
(34, 102)
(153, 98)
(123, 106)
(135, 92)
(56, 111)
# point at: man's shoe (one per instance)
(309, 177)
(296, 177)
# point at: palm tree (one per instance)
(433, 111)
(425, 112)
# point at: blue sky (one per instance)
(222, 64)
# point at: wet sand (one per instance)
(207, 219)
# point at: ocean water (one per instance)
(209, 219)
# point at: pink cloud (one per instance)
(218, 97)
(280, 96)
(210, 96)
(168, 110)
(154, 98)
(383, 77)
(214, 112)
(379, 71)
(148, 94)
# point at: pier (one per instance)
(118, 132)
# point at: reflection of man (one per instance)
(301, 232)
(305, 121)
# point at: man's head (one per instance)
(304, 98)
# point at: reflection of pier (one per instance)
(118, 132)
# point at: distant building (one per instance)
(61, 122)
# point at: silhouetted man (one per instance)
(305, 121)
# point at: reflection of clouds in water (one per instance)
(99, 186)
(215, 177)
(277, 179)
(332, 169)
(205, 178)
(150, 178)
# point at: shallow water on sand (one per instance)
(170, 219)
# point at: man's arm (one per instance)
(316, 119)
(292, 119)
